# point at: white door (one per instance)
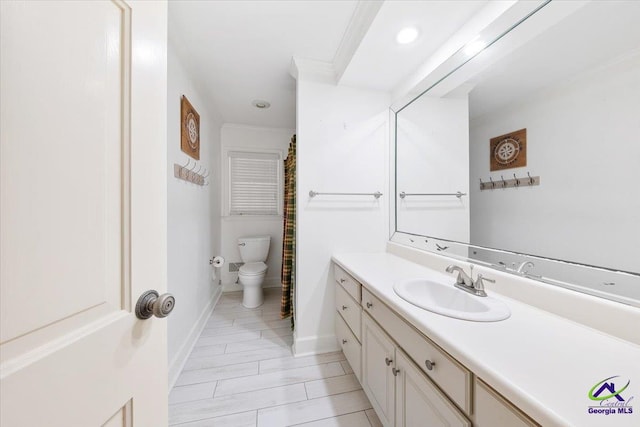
(378, 381)
(83, 212)
(418, 401)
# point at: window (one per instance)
(254, 183)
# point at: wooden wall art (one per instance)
(509, 151)
(189, 129)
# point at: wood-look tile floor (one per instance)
(242, 373)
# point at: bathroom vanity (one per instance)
(422, 368)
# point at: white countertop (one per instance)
(543, 363)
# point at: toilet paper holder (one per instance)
(217, 261)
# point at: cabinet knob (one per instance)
(395, 371)
(369, 305)
(344, 341)
(342, 280)
(429, 364)
(344, 307)
(388, 361)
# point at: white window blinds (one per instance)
(254, 183)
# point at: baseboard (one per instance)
(307, 346)
(178, 362)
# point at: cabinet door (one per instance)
(491, 409)
(377, 364)
(418, 402)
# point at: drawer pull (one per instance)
(388, 361)
(429, 364)
(369, 305)
(395, 371)
(344, 307)
(344, 341)
(342, 280)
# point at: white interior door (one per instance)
(83, 212)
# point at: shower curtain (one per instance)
(289, 233)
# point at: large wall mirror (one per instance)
(525, 154)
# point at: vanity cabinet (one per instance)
(399, 392)
(410, 380)
(348, 318)
(452, 377)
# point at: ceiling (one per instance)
(380, 63)
(238, 51)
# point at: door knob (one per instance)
(429, 364)
(151, 303)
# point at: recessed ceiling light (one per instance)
(259, 103)
(474, 47)
(407, 35)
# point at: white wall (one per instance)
(342, 147)
(433, 149)
(193, 219)
(581, 138)
(249, 137)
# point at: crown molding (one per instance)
(361, 20)
(310, 69)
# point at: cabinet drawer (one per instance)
(349, 309)
(351, 285)
(452, 378)
(350, 346)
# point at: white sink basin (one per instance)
(445, 299)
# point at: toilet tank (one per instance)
(254, 249)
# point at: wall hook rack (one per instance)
(186, 173)
(528, 181)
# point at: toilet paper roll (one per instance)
(218, 261)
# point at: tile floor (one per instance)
(242, 373)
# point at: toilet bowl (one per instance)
(251, 276)
(254, 252)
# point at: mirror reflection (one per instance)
(533, 147)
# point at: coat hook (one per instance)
(481, 184)
(184, 171)
(493, 184)
(530, 179)
(517, 180)
(504, 183)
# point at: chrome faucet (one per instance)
(462, 278)
(466, 282)
(523, 265)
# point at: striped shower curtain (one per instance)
(289, 233)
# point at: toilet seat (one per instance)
(253, 269)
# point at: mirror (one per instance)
(529, 151)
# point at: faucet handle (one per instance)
(481, 278)
(478, 284)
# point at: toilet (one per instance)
(253, 252)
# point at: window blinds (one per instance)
(254, 183)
